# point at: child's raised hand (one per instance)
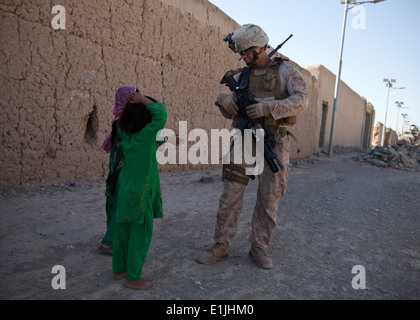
(135, 98)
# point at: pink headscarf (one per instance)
(120, 101)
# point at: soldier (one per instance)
(281, 95)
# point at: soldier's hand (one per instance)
(258, 110)
(227, 102)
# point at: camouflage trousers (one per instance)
(271, 187)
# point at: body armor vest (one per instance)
(265, 83)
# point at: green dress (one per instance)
(139, 196)
(116, 158)
(139, 181)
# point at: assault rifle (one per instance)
(279, 46)
(245, 99)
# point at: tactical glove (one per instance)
(258, 110)
(227, 102)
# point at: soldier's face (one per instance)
(248, 54)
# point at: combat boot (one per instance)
(216, 253)
(261, 259)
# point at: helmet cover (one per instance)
(250, 35)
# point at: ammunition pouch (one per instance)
(276, 127)
(289, 121)
(283, 122)
(281, 131)
(232, 174)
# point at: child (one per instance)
(139, 195)
(112, 145)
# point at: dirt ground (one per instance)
(336, 214)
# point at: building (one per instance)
(58, 84)
(354, 119)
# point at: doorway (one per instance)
(323, 124)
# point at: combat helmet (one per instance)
(249, 35)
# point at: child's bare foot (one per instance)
(105, 249)
(119, 276)
(139, 285)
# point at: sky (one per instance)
(381, 42)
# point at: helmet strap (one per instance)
(255, 58)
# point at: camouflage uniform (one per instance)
(281, 94)
(285, 91)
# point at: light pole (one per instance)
(340, 62)
(399, 106)
(388, 84)
(404, 115)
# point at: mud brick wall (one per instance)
(58, 85)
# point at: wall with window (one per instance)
(350, 127)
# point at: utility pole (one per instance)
(340, 63)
